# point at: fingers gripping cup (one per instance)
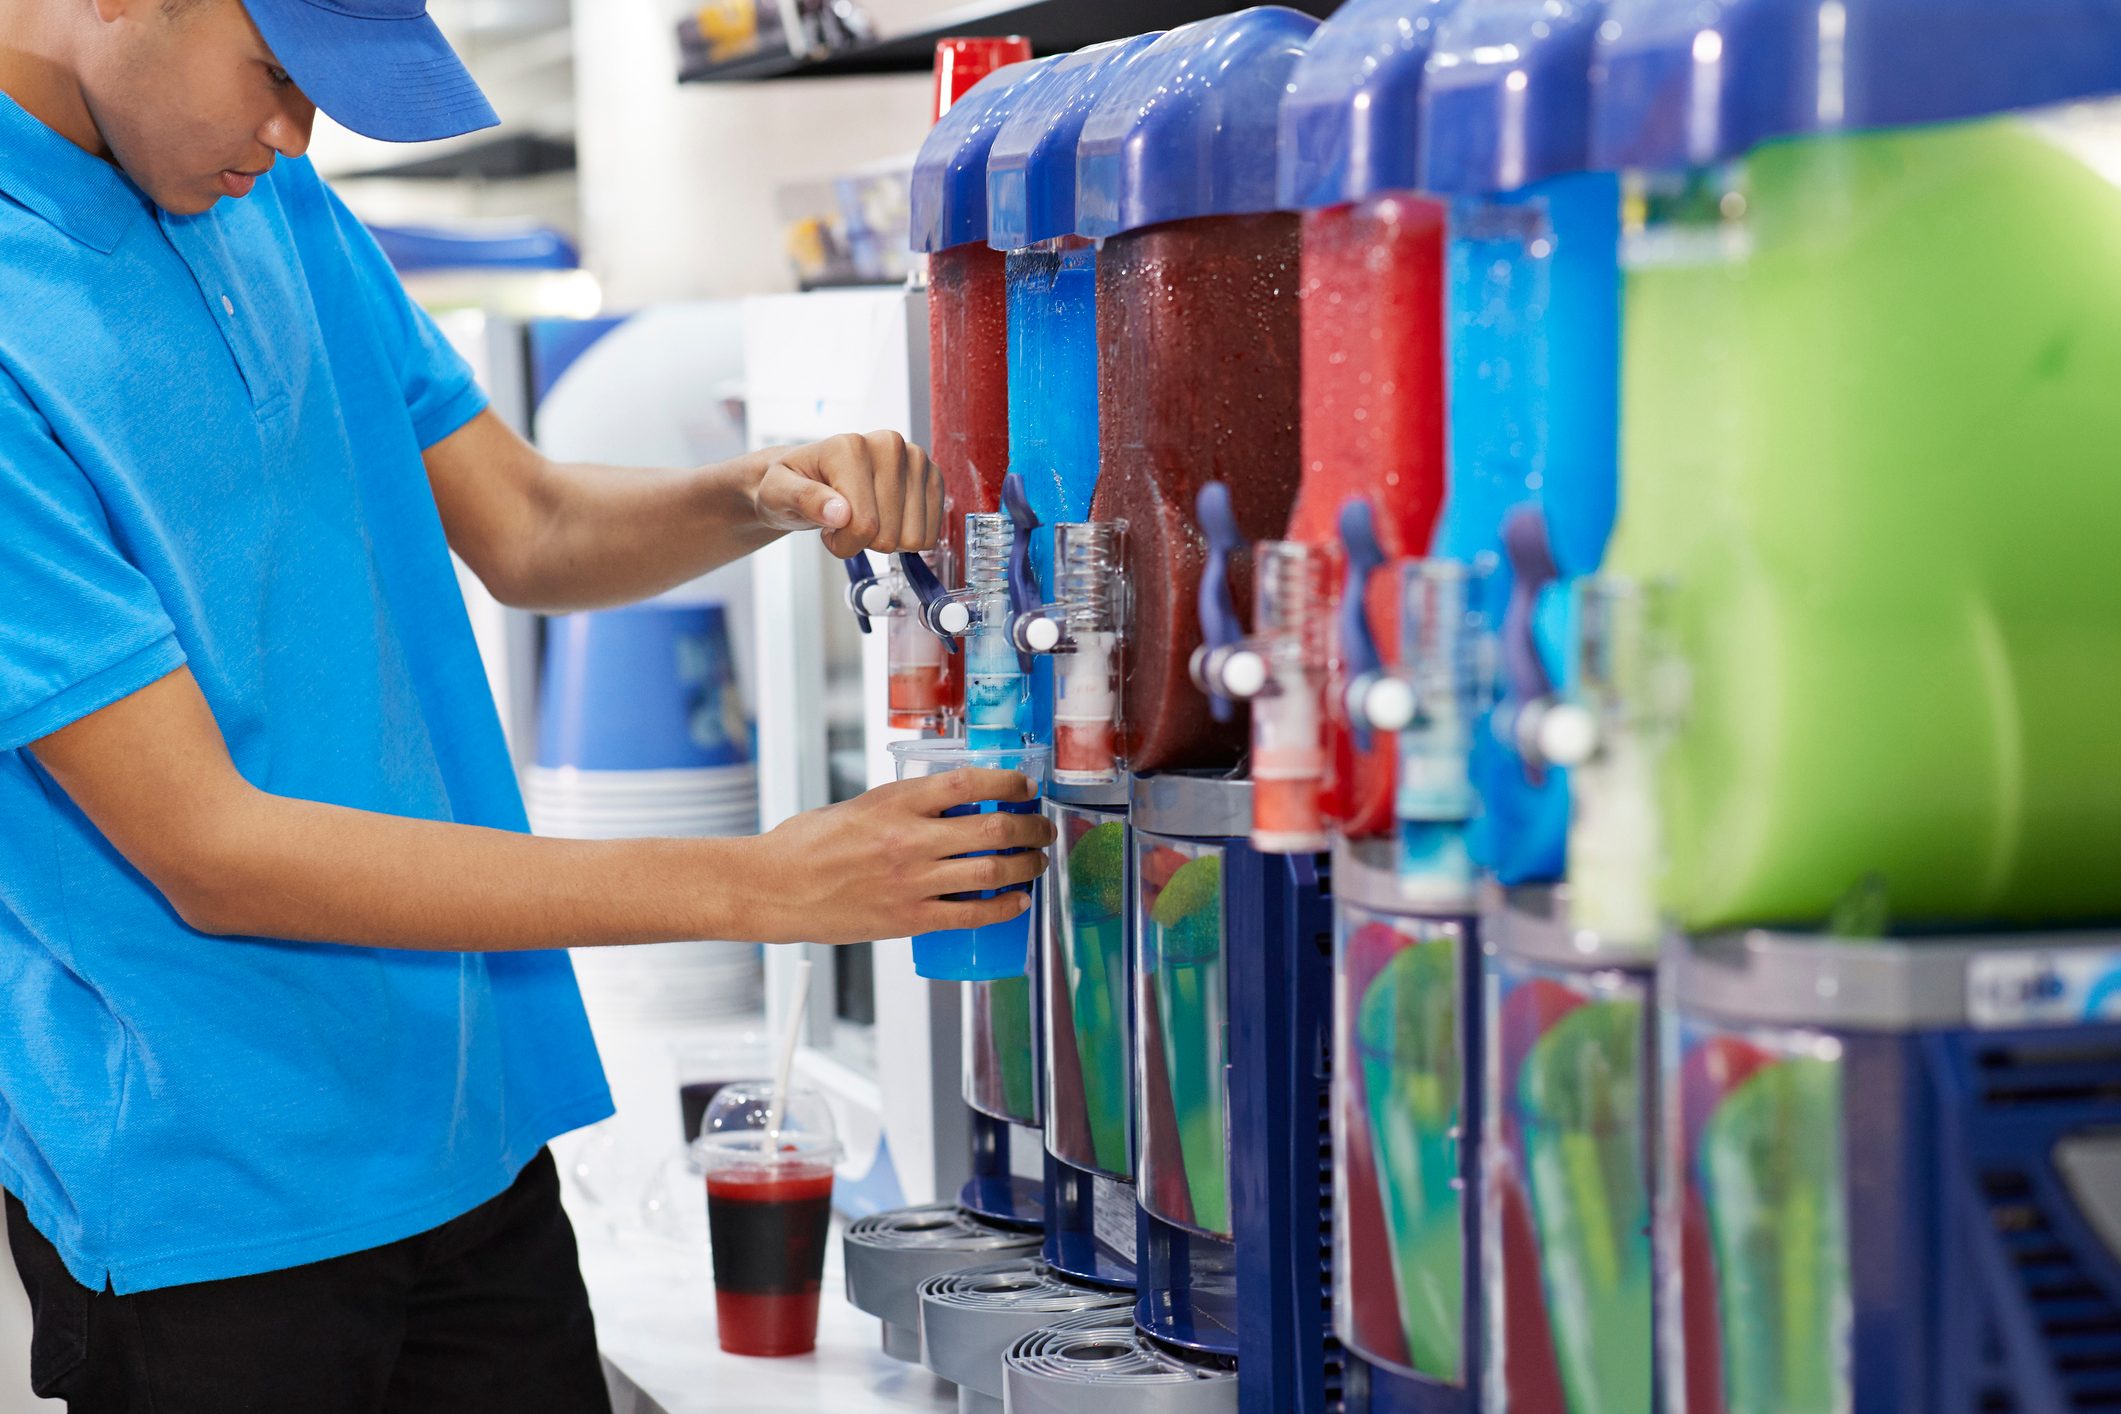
(997, 950)
(769, 1213)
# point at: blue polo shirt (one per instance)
(210, 439)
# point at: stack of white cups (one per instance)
(642, 732)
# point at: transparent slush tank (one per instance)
(1534, 407)
(1181, 1042)
(1089, 1032)
(1398, 1128)
(968, 363)
(1567, 1158)
(1198, 351)
(1001, 1051)
(1870, 428)
(1757, 1313)
(1373, 390)
(1052, 405)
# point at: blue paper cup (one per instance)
(999, 950)
(652, 688)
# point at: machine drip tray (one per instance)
(890, 1254)
(1099, 1364)
(970, 1318)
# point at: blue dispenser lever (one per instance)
(1025, 595)
(1526, 683)
(1220, 627)
(1358, 647)
(861, 577)
(929, 591)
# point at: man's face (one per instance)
(192, 103)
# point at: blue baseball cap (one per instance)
(379, 67)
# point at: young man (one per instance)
(288, 1031)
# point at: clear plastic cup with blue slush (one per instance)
(998, 950)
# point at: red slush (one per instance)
(768, 1226)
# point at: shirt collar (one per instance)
(80, 193)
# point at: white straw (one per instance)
(770, 1137)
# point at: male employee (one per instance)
(287, 1029)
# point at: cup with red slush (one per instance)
(769, 1214)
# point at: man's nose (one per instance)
(287, 132)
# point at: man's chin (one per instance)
(186, 202)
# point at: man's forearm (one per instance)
(605, 535)
(282, 868)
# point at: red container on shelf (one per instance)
(961, 61)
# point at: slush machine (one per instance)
(999, 1212)
(1858, 639)
(1404, 1101)
(1197, 352)
(1082, 958)
(1533, 295)
(971, 1318)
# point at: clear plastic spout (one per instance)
(1449, 652)
(997, 678)
(1609, 732)
(1281, 670)
(919, 691)
(1083, 629)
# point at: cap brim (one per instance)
(396, 80)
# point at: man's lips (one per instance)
(238, 184)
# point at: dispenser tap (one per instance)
(946, 614)
(1374, 699)
(866, 595)
(1224, 667)
(909, 588)
(920, 681)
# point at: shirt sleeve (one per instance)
(80, 625)
(440, 388)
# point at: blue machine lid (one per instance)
(1508, 101)
(1351, 125)
(1189, 130)
(949, 191)
(1031, 172)
(1681, 83)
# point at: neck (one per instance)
(37, 71)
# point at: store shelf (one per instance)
(490, 159)
(1053, 26)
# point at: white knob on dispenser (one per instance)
(1244, 674)
(1041, 634)
(873, 599)
(953, 619)
(1568, 734)
(1387, 704)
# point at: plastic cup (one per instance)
(769, 1215)
(998, 950)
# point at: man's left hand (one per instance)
(878, 492)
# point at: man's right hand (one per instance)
(877, 866)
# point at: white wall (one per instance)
(677, 182)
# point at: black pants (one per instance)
(486, 1312)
